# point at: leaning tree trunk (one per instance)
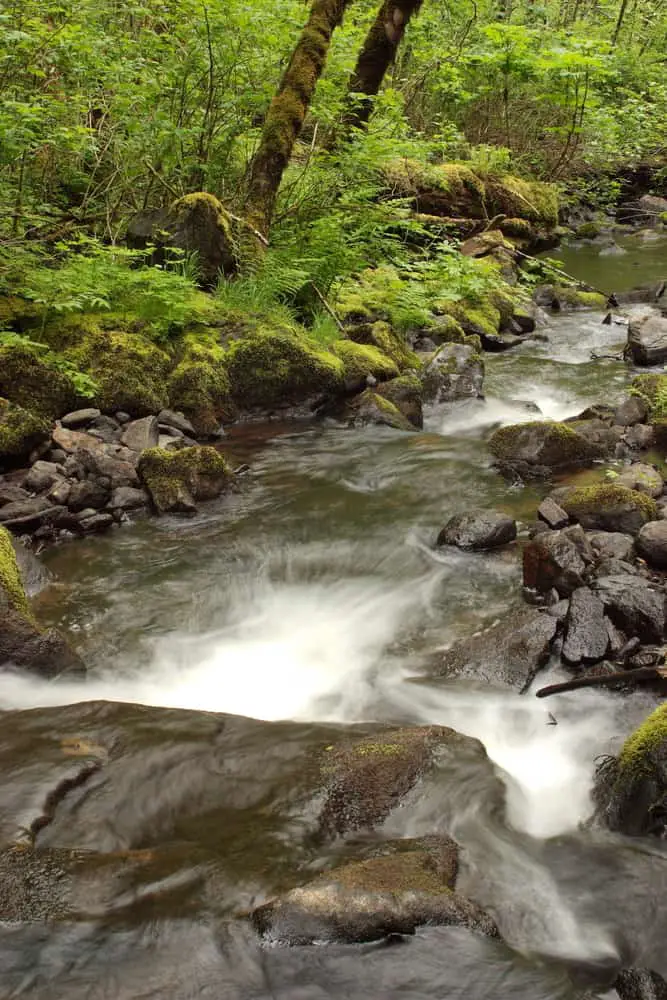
(375, 58)
(287, 111)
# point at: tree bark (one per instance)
(287, 110)
(375, 58)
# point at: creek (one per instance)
(310, 602)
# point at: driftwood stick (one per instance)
(621, 676)
(328, 308)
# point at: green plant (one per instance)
(85, 386)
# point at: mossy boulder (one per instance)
(370, 407)
(195, 224)
(587, 231)
(386, 339)
(608, 507)
(22, 643)
(33, 383)
(20, 432)
(362, 360)
(564, 297)
(176, 480)
(454, 371)
(631, 789)
(539, 448)
(481, 319)
(369, 900)
(275, 368)
(406, 393)
(652, 388)
(199, 385)
(129, 370)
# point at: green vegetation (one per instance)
(10, 578)
(648, 737)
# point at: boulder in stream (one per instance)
(456, 371)
(608, 507)
(541, 447)
(556, 559)
(586, 633)
(176, 480)
(643, 478)
(633, 604)
(481, 530)
(652, 544)
(647, 338)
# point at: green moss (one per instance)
(653, 389)
(34, 384)
(444, 328)
(360, 360)
(520, 229)
(20, 430)
(648, 737)
(175, 479)
(587, 231)
(507, 441)
(199, 385)
(577, 298)
(591, 499)
(480, 319)
(268, 368)
(10, 578)
(17, 313)
(405, 871)
(516, 197)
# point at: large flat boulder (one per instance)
(541, 447)
(647, 338)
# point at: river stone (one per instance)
(552, 514)
(608, 507)
(640, 437)
(456, 372)
(612, 545)
(118, 465)
(87, 494)
(613, 567)
(177, 479)
(634, 606)
(633, 410)
(406, 393)
(647, 338)
(127, 498)
(96, 522)
(586, 636)
(367, 901)
(42, 476)
(80, 418)
(553, 560)
(369, 407)
(640, 984)
(643, 478)
(11, 493)
(22, 509)
(59, 493)
(652, 544)
(508, 654)
(177, 420)
(630, 791)
(72, 441)
(482, 530)
(141, 434)
(541, 447)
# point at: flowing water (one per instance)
(312, 603)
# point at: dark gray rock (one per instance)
(640, 437)
(481, 530)
(365, 409)
(508, 654)
(456, 372)
(117, 465)
(617, 639)
(122, 417)
(613, 567)
(633, 605)
(96, 522)
(127, 498)
(647, 338)
(42, 476)
(542, 447)
(586, 635)
(141, 434)
(643, 478)
(59, 493)
(19, 509)
(177, 420)
(105, 429)
(553, 515)
(553, 560)
(11, 493)
(633, 410)
(652, 544)
(80, 418)
(406, 393)
(640, 984)
(57, 456)
(612, 545)
(87, 494)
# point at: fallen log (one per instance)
(621, 676)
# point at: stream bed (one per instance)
(308, 604)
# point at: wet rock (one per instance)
(496, 343)
(552, 559)
(600, 433)
(59, 493)
(552, 515)
(539, 448)
(127, 498)
(117, 465)
(613, 567)
(633, 605)
(640, 437)
(11, 493)
(370, 407)
(608, 507)
(87, 494)
(22, 643)
(176, 480)
(367, 901)
(366, 779)
(177, 420)
(633, 410)
(647, 338)
(508, 654)
(96, 522)
(630, 790)
(612, 545)
(80, 418)
(586, 635)
(21, 510)
(617, 639)
(406, 393)
(72, 441)
(643, 478)
(652, 544)
(456, 372)
(105, 429)
(640, 984)
(42, 476)
(481, 530)
(141, 434)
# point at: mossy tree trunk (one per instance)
(376, 56)
(288, 109)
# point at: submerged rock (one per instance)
(539, 448)
(631, 789)
(175, 480)
(369, 900)
(483, 530)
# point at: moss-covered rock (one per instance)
(631, 790)
(652, 388)
(199, 385)
(608, 507)
(176, 480)
(538, 448)
(17, 313)
(22, 643)
(587, 231)
(406, 393)
(20, 431)
(33, 383)
(481, 319)
(578, 298)
(386, 339)
(272, 368)
(361, 360)
(369, 407)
